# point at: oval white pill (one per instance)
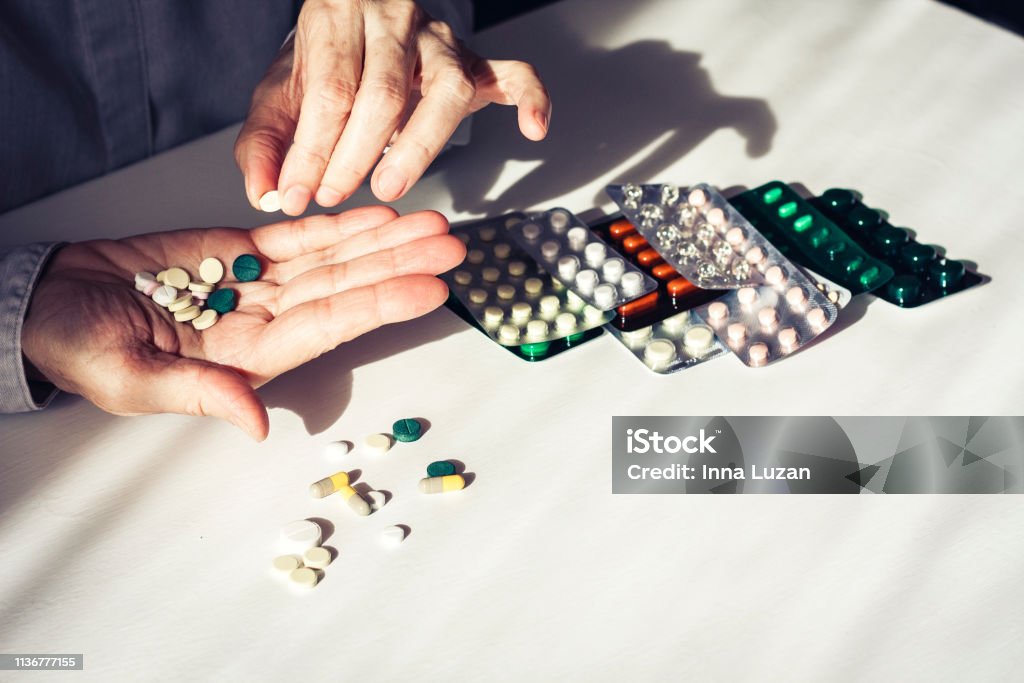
(270, 202)
(337, 449)
(211, 270)
(206, 319)
(632, 283)
(317, 558)
(393, 535)
(298, 537)
(165, 295)
(378, 444)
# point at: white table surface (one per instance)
(144, 542)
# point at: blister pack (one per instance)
(676, 343)
(580, 260)
(674, 294)
(810, 238)
(922, 274)
(515, 301)
(698, 236)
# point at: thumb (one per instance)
(162, 382)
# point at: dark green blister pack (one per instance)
(922, 272)
(810, 238)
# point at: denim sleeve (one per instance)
(19, 269)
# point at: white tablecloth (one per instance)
(144, 542)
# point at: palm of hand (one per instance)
(326, 280)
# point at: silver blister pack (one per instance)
(580, 260)
(676, 343)
(515, 300)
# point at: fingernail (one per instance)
(542, 120)
(391, 182)
(295, 200)
(325, 196)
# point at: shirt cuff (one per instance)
(20, 268)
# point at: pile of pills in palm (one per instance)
(175, 290)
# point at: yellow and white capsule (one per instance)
(449, 482)
(328, 485)
(354, 500)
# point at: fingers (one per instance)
(329, 59)
(379, 105)
(448, 96)
(163, 383)
(311, 329)
(263, 141)
(512, 82)
(291, 239)
(427, 256)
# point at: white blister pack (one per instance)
(515, 301)
(676, 343)
(580, 260)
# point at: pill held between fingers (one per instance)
(328, 485)
(440, 468)
(300, 536)
(270, 202)
(407, 430)
(377, 444)
(718, 311)
(286, 564)
(356, 502)
(393, 536)
(758, 354)
(182, 302)
(317, 558)
(451, 482)
(377, 500)
(165, 295)
(304, 577)
(223, 301)
(187, 314)
(211, 270)
(337, 449)
(177, 278)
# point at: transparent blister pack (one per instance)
(810, 238)
(676, 343)
(697, 232)
(581, 260)
(922, 271)
(515, 301)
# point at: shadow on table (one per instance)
(608, 105)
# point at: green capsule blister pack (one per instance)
(809, 237)
(922, 273)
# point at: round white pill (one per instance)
(143, 279)
(533, 285)
(475, 256)
(697, 198)
(716, 217)
(718, 311)
(270, 202)
(378, 444)
(206, 319)
(516, 268)
(632, 283)
(795, 296)
(317, 558)
(506, 292)
(567, 267)
(586, 280)
(549, 306)
(754, 256)
(577, 237)
(758, 354)
(536, 329)
(531, 231)
(595, 253)
(521, 311)
(565, 322)
(558, 219)
(462, 277)
(550, 250)
(393, 536)
(336, 450)
(211, 270)
(508, 333)
(490, 274)
(605, 295)
(767, 317)
(377, 499)
(502, 250)
(659, 352)
(478, 296)
(165, 295)
(493, 316)
(746, 295)
(817, 318)
(612, 270)
(698, 338)
(285, 564)
(487, 233)
(304, 577)
(637, 337)
(298, 537)
(774, 275)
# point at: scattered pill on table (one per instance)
(328, 485)
(407, 430)
(317, 558)
(300, 536)
(337, 449)
(377, 500)
(393, 535)
(304, 577)
(246, 268)
(440, 468)
(211, 270)
(286, 564)
(356, 502)
(378, 444)
(451, 482)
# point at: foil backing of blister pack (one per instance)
(673, 344)
(580, 260)
(514, 300)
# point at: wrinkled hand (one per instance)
(326, 280)
(360, 75)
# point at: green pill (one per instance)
(840, 200)
(803, 223)
(535, 350)
(834, 249)
(870, 276)
(905, 290)
(853, 265)
(772, 195)
(890, 240)
(440, 468)
(917, 257)
(573, 338)
(246, 268)
(865, 218)
(946, 274)
(407, 430)
(222, 300)
(820, 236)
(787, 209)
